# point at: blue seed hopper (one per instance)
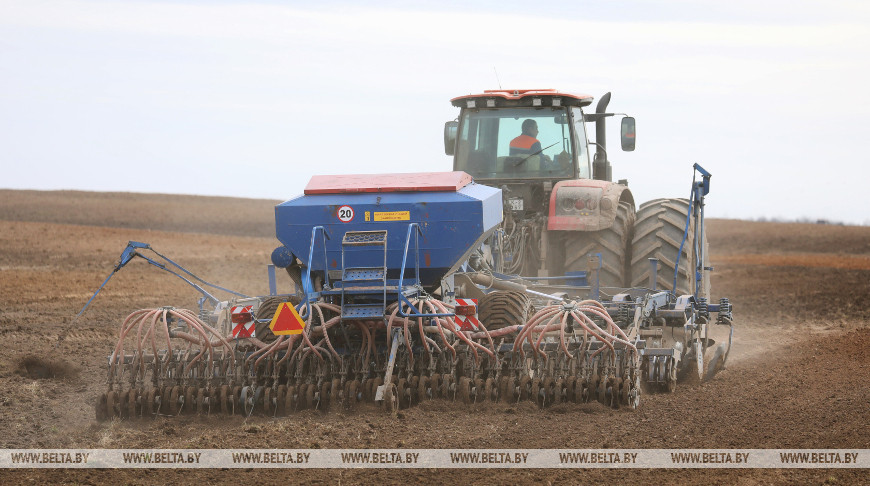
(366, 228)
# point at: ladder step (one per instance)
(364, 274)
(362, 311)
(365, 238)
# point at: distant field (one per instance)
(161, 212)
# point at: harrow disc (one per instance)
(111, 402)
(323, 398)
(247, 400)
(310, 396)
(224, 394)
(290, 401)
(557, 395)
(508, 390)
(413, 384)
(401, 391)
(448, 391)
(280, 395)
(477, 390)
(435, 385)
(351, 394)
(187, 406)
(391, 402)
(268, 397)
(203, 401)
(148, 404)
(489, 391)
(174, 396)
(132, 400)
(236, 399)
(463, 390)
(423, 388)
(525, 388)
(601, 391)
(335, 393)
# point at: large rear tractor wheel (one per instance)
(267, 310)
(501, 308)
(612, 243)
(658, 233)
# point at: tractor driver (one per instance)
(526, 143)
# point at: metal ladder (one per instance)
(370, 282)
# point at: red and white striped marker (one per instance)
(243, 318)
(466, 315)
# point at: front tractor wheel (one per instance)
(612, 243)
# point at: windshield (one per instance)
(516, 143)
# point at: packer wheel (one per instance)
(502, 308)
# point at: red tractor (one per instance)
(560, 202)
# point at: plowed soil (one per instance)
(796, 378)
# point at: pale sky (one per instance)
(250, 99)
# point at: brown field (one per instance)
(796, 379)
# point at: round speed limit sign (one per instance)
(345, 214)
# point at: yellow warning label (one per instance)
(393, 216)
(368, 215)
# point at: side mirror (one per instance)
(450, 130)
(627, 134)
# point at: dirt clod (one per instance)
(37, 368)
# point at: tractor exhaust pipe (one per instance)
(601, 169)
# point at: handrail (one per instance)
(399, 289)
(306, 284)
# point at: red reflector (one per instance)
(465, 310)
(242, 317)
(579, 204)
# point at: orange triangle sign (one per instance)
(286, 321)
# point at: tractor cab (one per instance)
(491, 141)
(524, 134)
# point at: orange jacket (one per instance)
(524, 145)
